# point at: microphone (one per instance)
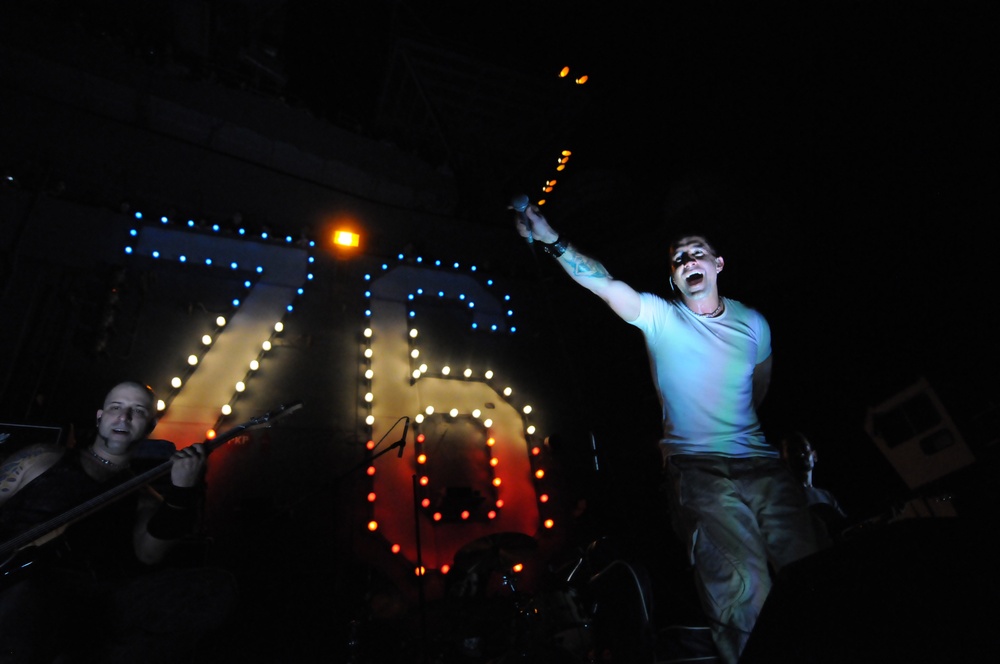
(520, 204)
(402, 441)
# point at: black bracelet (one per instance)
(176, 515)
(557, 248)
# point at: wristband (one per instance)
(182, 497)
(170, 523)
(557, 248)
(176, 515)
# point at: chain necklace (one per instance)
(106, 462)
(718, 310)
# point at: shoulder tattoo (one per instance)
(15, 466)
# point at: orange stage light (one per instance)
(344, 238)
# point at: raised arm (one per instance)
(586, 271)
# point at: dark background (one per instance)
(841, 154)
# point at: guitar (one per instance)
(16, 552)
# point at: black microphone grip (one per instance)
(520, 203)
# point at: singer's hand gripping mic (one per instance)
(520, 204)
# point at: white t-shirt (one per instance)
(703, 370)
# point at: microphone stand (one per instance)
(399, 444)
(366, 462)
(421, 602)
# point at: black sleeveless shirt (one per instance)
(101, 542)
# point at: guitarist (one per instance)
(109, 566)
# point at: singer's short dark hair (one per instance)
(686, 237)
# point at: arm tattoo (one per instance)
(579, 265)
(10, 475)
(12, 470)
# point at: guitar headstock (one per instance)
(265, 420)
